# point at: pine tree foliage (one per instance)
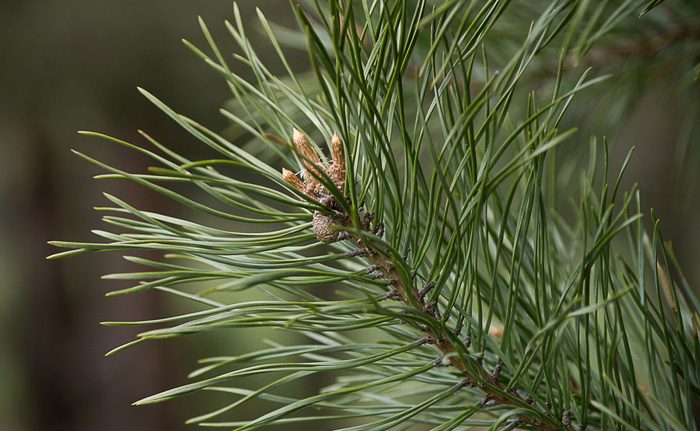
(434, 278)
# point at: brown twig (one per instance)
(326, 228)
(488, 383)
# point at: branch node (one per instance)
(549, 407)
(427, 288)
(379, 230)
(497, 372)
(392, 294)
(431, 308)
(377, 275)
(465, 382)
(368, 220)
(359, 252)
(372, 268)
(513, 425)
(485, 400)
(421, 341)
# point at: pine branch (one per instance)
(438, 335)
(640, 47)
(370, 245)
(431, 211)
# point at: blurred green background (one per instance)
(71, 65)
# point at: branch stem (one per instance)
(411, 297)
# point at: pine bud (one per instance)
(293, 180)
(337, 171)
(324, 227)
(309, 158)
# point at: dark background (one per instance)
(69, 65)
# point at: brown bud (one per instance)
(309, 158)
(293, 180)
(324, 227)
(337, 171)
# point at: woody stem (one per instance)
(493, 389)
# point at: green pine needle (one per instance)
(442, 282)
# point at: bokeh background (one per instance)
(69, 65)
